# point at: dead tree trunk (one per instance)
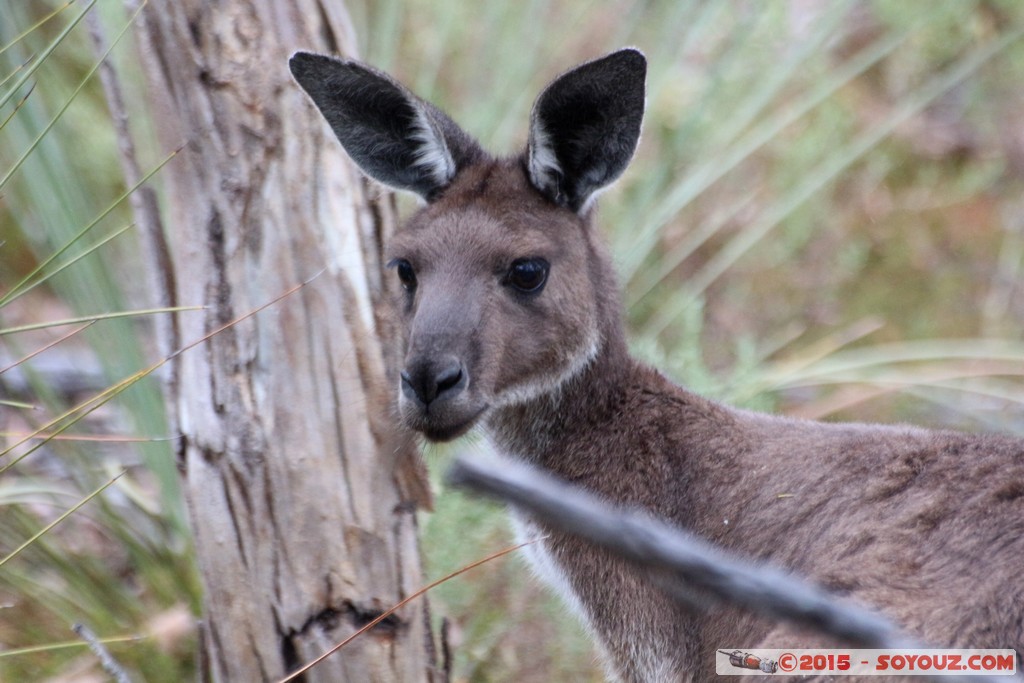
(301, 493)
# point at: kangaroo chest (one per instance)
(544, 564)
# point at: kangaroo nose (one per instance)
(427, 382)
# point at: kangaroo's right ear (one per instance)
(392, 135)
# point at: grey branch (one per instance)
(680, 562)
(108, 663)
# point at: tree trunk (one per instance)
(301, 491)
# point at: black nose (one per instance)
(428, 381)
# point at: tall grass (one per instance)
(121, 562)
(821, 220)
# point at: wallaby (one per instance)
(512, 320)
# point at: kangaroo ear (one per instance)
(585, 126)
(392, 135)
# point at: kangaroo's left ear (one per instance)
(585, 126)
(394, 136)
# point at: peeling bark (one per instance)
(301, 491)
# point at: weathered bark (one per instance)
(301, 493)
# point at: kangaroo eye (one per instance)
(406, 274)
(528, 275)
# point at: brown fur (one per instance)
(926, 526)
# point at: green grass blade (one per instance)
(53, 647)
(859, 361)
(742, 115)
(18, 106)
(17, 289)
(21, 36)
(827, 171)
(46, 53)
(776, 78)
(712, 172)
(67, 103)
(16, 71)
(94, 318)
(16, 404)
(67, 264)
(774, 376)
(60, 519)
(72, 417)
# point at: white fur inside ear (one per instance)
(432, 153)
(542, 162)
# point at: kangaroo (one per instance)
(512, 322)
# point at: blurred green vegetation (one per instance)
(823, 218)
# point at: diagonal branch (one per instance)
(680, 562)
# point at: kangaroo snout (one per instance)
(427, 380)
(434, 399)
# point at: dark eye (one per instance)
(406, 275)
(528, 275)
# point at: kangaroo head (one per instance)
(505, 289)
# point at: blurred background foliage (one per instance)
(824, 218)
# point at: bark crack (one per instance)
(221, 298)
(233, 517)
(332, 617)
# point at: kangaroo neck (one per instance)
(539, 430)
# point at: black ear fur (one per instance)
(585, 126)
(392, 135)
